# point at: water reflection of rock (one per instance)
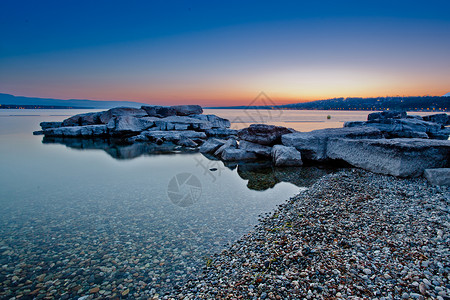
(116, 150)
(262, 176)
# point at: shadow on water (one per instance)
(261, 175)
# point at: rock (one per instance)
(440, 176)
(129, 124)
(186, 110)
(77, 131)
(263, 134)
(159, 111)
(221, 132)
(387, 114)
(260, 150)
(106, 116)
(313, 145)
(233, 154)
(83, 119)
(182, 123)
(403, 128)
(94, 290)
(442, 119)
(186, 142)
(398, 157)
(216, 122)
(230, 143)
(47, 125)
(417, 117)
(211, 145)
(38, 132)
(173, 136)
(286, 156)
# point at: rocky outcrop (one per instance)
(159, 111)
(88, 131)
(286, 156)
(187, 110)
(47, 125)
(398, 157)
(399, 125)
(439, 176)
(263, 134)
(442, 119)
(233, 154)
(259, 150)
(313, 145)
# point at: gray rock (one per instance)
(221, 132)
(116, 112)
(83, 119)
(47, 125)
(263, 134)
(182, 123)
(129, 124)
(77, 131)
(398, 157)
(313, 145)
(159, 111)
(216, 122)
(258, 149)
(173, 136)
(439, 176)
(211, 145)
(186, 110)
(286, 156)
(186, 142)
(442, 119)
(403, 128)
(387, 114)
(233, 154)
(230, 143)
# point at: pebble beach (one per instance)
(352, 235)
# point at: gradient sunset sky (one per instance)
(223, 52)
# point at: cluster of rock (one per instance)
(388, 142)
(184, 125)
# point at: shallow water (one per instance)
(80, 214)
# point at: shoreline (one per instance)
(353, 234)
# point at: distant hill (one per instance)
(420, 103)
(29, 102)
(447, 95)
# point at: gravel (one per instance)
(353, 234)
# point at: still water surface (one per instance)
(73, 220)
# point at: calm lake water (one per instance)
(89, 217)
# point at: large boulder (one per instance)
(78, 131)
(47, 125)
(439, 176)
(216, 122)
(260, 150)
(230, 143)
(284, 156)
(233, 154)
(403, 128)
(116, 112)
(263, 134)
(159, 111)
(129, 124)
(387, 114)
(398, 157)
(313, 145)
(187, 110)
(211, 145)
(442, 119)
(83, 119)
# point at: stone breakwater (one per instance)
(353, 234)
(388, 142)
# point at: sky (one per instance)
(217, 53)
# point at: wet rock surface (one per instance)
(353, 234)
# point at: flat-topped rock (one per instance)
(286, 156)
(442, 119)
(78, 131)
(263, 134)
(260, 150)
(387, 114)
(440, 176)
(216, 122)
(313, 145)
(398, 157)
(186, 110)
(233, 154)
(159, 111)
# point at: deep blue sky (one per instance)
(214, 51)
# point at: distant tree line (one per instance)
(413, 103)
